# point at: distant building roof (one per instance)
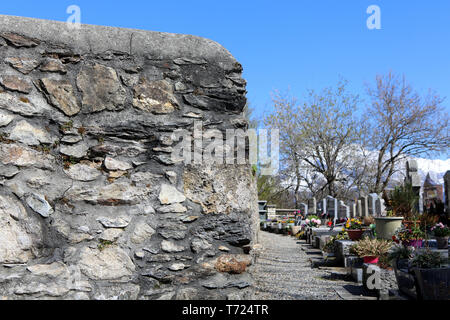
(429, 181)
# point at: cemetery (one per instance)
(388, 253)
(110, 189)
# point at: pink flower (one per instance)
(307, 221)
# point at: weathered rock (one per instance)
(27, 134)
(82, 172)
(107, 264)
(5, 118)
(119, 222)
(21, 105)
(173, 208)
(39, 205)
(60, 94)
(23, 65)
(19, 41)
(233, 264)
(199, 244)
(24, 157)
(111, 235)
(177, 267)
(56, 269)
(47, 289)
(114, 164)
(154, 96)
(141, 233)
(169, 194)
(78, 150)
(169, 246)
(15, 242)
(53, 65)
(101, 88)
(15, 83)
(8, 171)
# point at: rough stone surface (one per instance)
(60, 94)
(15, 83)
(101, 88)
(92, 204)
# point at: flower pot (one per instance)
(370, 260)
(295, 229)
(385, 227)
(442, 242)
(413, 243)
(433, 284)
(355, 234)
(406, 282)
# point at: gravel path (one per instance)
(282, 271)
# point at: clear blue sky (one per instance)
(298, 44)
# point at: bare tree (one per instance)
(317, 138)
(403, 123)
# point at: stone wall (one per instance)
(92, 206)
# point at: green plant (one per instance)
(371, 247)
(427, 260)
(403, 201)
(400, 252)
(406, 234)
(330, 245)
(353, 224)
(104, 244)
(67, 126)
(439, 230)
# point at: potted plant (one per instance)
(412, 237)
(406, 281)
(402, 202)
(313, 221)
(354, 229)
(371, 249)
(433, 282)
(441, 233)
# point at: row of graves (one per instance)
(387, 256)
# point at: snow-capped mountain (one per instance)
(436, 168)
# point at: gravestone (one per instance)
(344, 210)
(312, 206)
(358, 208)
(332, 208)
(271, 212)
(380, 208)
(413, 178)
(303, 208)
(353, 209)
(371, 204)
(364, 206)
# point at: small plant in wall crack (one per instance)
(104, 244)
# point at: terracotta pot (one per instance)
(442, 242)
(355, 234)
(370, 259)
